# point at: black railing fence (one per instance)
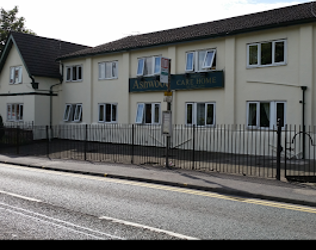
(225, 148)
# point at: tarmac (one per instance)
(228, 184)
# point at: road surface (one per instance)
(43, 204)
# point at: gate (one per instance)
(299, 159)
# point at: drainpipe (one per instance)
(34, 84)
(51, 99)
(303, 88)
(35, 87)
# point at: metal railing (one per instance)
(224, 148)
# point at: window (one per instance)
(74, 73)
(265, 114)
(148, 113)
(266, 53)
(201, 114)
(16, 75)
(15, 112)
(148, 66)
(108, 70)
(201, 60)
(107, 112)
(73, 113)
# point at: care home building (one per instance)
(250, 69)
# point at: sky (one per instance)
(95, 22)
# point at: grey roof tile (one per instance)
(40, 53)
(300, 13)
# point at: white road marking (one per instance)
(128, 223)
(20, 196)
(58, 223)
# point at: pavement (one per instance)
(228, 184)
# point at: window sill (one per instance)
(73, 122)
(101, 122)
(102, 79)
(149, 124)
(69, 81)
(265, 66)
(275, 128)
(200, 126)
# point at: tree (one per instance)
(10, 22)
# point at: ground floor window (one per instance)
(265, 114)
(73, 113)
(15, 112)
(148, 113)
(201, 114)
(108, 112)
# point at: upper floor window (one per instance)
(148, 113)
(265, 114)
(201, 114)
(73, 113)
(262, 54)
(148, 66)
(108, 70)
(200, 61)
(74, 73)
(16, 75)
(14, 112)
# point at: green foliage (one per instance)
(10, 22)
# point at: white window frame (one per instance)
(78, 113)
(113, 65)
(272, 114)
(71, 112)
(209, 66)
(70, 73)
(258, 44)
(16, 74)
(17, 117)
(141, 64)
(104, 112)
(194, 114)
(141, 113)
(67, 112)
(189, 68)
(194, 67)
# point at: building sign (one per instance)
(206, 80)
(164, 72)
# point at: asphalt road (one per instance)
(42, 204)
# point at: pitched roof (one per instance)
(39, 53)
(291, 15)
